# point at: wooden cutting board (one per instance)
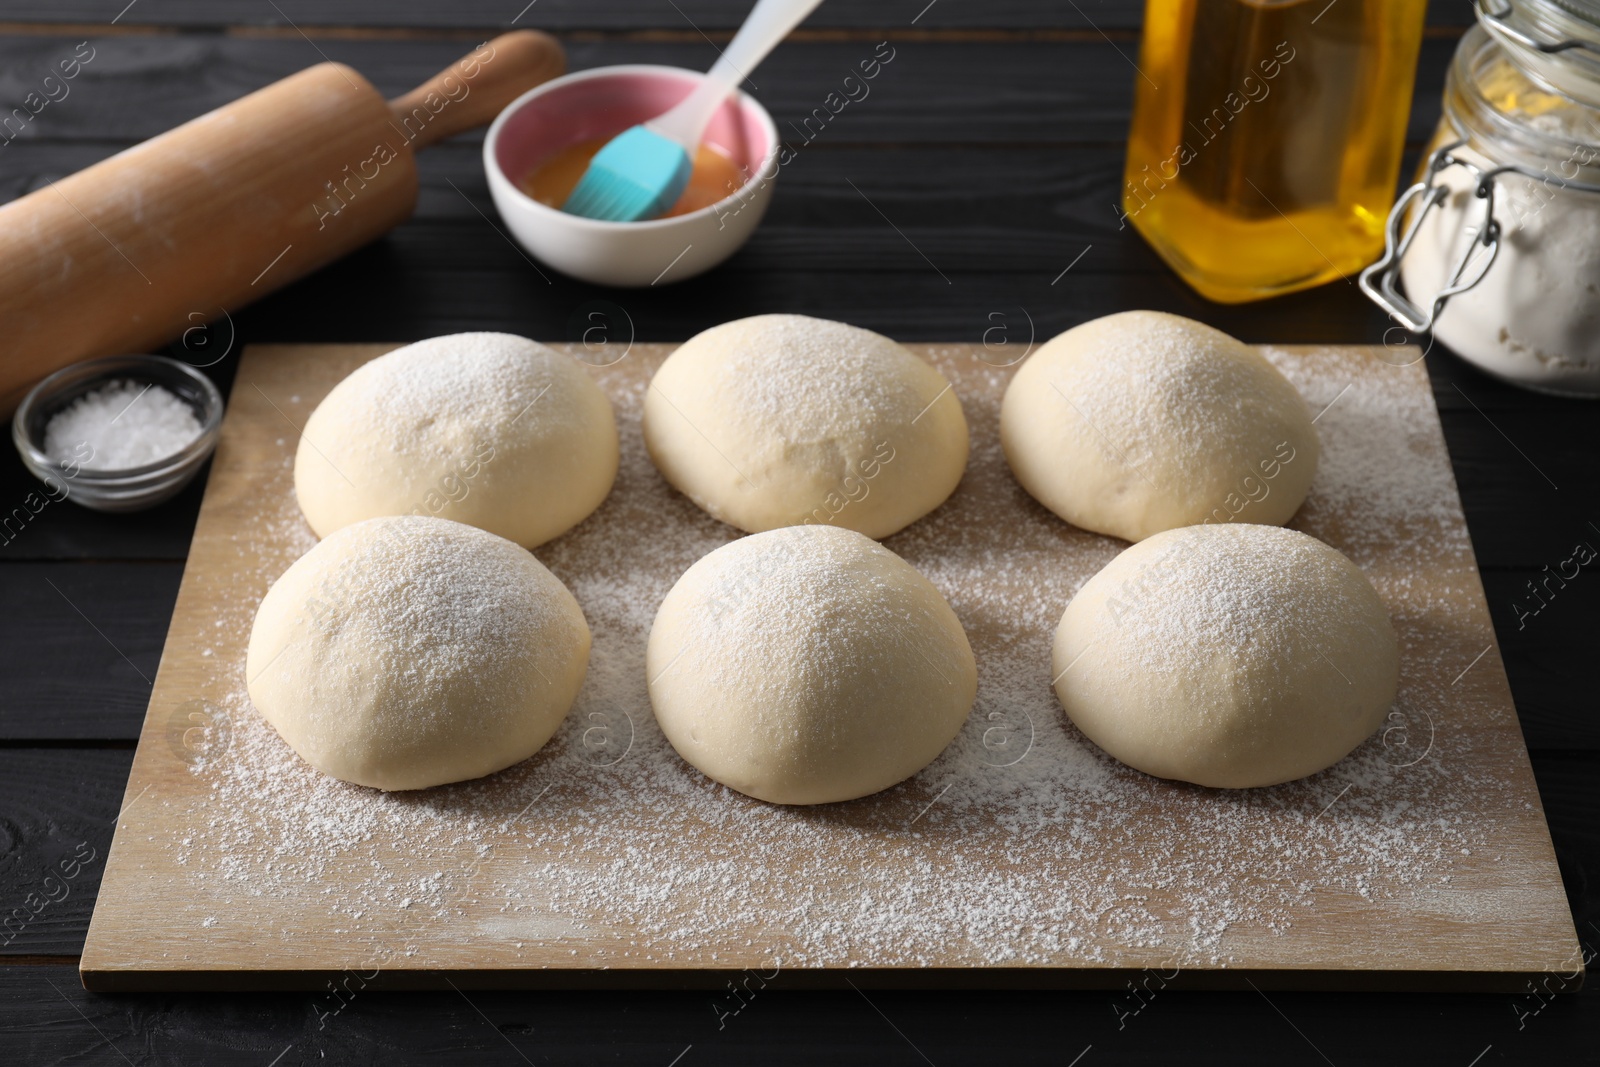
(1023, 856)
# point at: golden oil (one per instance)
(1266, 137)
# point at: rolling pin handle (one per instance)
(475, 88)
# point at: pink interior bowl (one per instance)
(599, 103)
(604, 102)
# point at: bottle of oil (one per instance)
(1266, 137)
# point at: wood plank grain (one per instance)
(929, 92)
(1035, 216)
(629, 15)
(1522, 517)
(781, 1027)
(57, 807)
(1546, 649)
(1117, 17)
(1567, 788)
(86, 641)
(34, 526)
(398, 289)
(842, 210)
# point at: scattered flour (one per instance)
(1022, 844)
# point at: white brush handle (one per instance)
(769, 23)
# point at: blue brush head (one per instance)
(637, 175)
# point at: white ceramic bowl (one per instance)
(600, 103)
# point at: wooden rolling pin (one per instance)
(128, 254)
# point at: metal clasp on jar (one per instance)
(1500, 20)
(1381, 280)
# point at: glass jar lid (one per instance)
(1555, 42)
(1517, 122)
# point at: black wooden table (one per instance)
(948, 203)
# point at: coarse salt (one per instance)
(119, 426)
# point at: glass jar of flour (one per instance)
(1498, 244)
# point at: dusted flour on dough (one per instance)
(1022, 843)
(1142, 421)
(489, 429)
(1230, 655)
(406, 652)
(808, 665)
(781, 420)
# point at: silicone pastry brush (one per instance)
(642, 171)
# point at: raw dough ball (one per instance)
(780, 420)
(1228, 655)
(808, 665)
(1141, 422)
(405, 652)
(488, 429)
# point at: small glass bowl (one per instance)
(134, 488)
